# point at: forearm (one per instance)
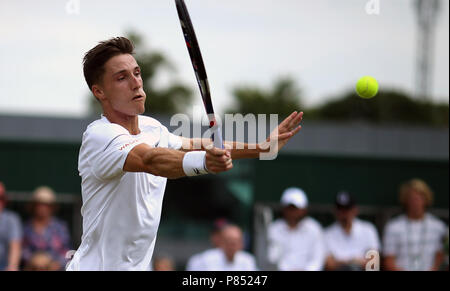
(164, 162)
(390, 264)
(438, 260)
(241, 150)
(14, 255)
(238, 150)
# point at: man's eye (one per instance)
(138, 73)
(121, 78)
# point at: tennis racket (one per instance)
(199, 69)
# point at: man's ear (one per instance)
(98, 92)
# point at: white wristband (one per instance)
(194, 163)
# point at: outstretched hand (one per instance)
(285, 131)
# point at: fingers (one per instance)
(216, 151)
(291, 122)
(295, 121)
(289, 134)
(218, 160)
(288, 120)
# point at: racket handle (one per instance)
(217, 138)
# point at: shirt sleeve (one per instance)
(173, 141)
(252, 266)
(194, 263)
(15, 232)
(275, 249)
(328, 242)
(442, 229)
(107, 149)
(64, 237)
(317, 260)
(373, 239)
(390, 239)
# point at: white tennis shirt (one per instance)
(215, 260)
(298, 249)
(121, 210)
(343, 246)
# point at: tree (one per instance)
(168, 100)
(388, 107)
(283, 98)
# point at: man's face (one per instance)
(42, 210)
(346, 214)
(293, 214)
(415, 203)
(121, 89)
(231, 241)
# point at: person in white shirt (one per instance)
(296, 242)
(195, 261)
(228, 256)
(349, 239)
(414, 241)
(125, 159)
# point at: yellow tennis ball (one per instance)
(367, 87)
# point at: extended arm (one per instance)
(280, 136)
(169, 163)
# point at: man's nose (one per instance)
(136, 82)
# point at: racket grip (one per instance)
(217, 138)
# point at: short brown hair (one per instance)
(419, 186)
(95, 59)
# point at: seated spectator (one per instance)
(10, 236)
(413, 241)
(349, 239)
(229, 255)
(296, 241)
(44, 232)
(163, 263)
(195, 261)
(40, 261)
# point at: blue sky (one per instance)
(325, 45)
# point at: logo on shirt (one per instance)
(128, 144)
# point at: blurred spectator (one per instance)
(163, 263)
(10, 236)
(39, 261)
(414, 240)
(44, 232)
(195, 262)
(229, 256)
(446, 262)
(349, 238)
(296, 241)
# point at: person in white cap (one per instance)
(44, 232)
(296, 241)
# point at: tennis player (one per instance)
(125, 159)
